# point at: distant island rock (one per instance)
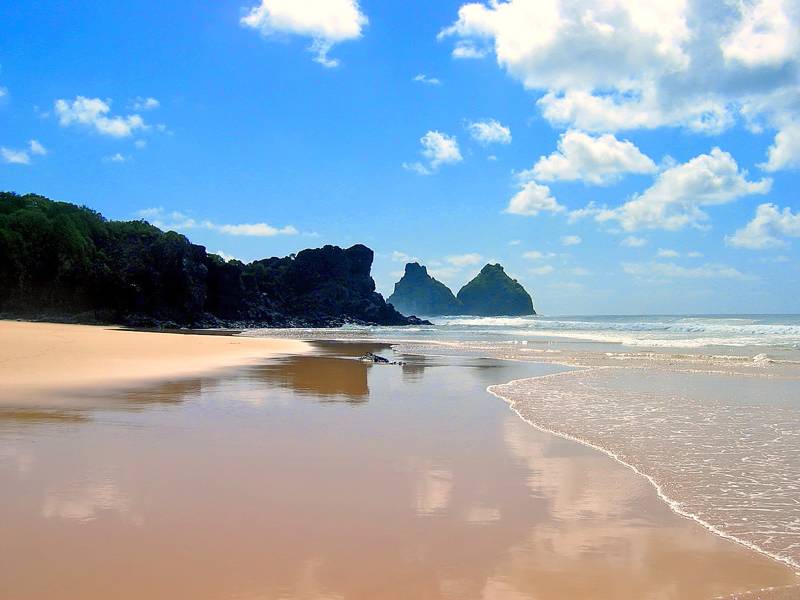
(490, 293)
(493, 293)
(417, 293)
(59, 261)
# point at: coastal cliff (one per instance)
(493, 293)
(64, 262)
(417, 293)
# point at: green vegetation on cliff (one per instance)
(59, 260)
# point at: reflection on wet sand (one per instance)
(325, 377)
(232, 487)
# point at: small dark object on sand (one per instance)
(374, 358)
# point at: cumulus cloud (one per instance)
(765, 36)
(621, 64)
(676, 198)
(766, 229)
(463, 260)
(599, 160)
(785, 151)
(22, 157)
(178, 221)
(489, 132)
(654, 270)
(532, 199)
(422, 78)
(326, 22)
(439, 149)
(571, 240)
(94, 113)
(15, 157)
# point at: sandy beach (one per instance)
(315, 475)
(39, 360)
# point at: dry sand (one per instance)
(40, 360)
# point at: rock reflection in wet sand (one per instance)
(240, 487)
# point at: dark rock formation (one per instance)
(64, 262)
(417, 293)
(493, 293)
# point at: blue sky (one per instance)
(635, 158)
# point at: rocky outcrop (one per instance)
(65, 262)
(493, 293)
(417, 293)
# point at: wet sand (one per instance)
(318, 476)
(47, 359)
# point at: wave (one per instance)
(671, 332)
(707, 483)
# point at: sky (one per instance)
(617, 157)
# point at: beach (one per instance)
(274, 468)
(47, 360)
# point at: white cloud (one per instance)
(633, 242)
(402, 257)
(15, 157)
(600, 160)
(543, 270)
(489, 132)
(468, 50)
(590, 210)
(694, 254)
(764, 37)
(22, 157)
(785, 151)
(422, 78)
(764, 230)
(439, 149)
(536, 255)
(532, 199)
(225, 256)
(115, 158)
(3, 92)
(580, 271)
(463, 260)
(667, 253)
(94, 113)
(655, 270)
(571, 240)
(255, 230)
(36, 148)
(179, 221)
(514, 242)
(140, 144)
(326, 22)
(674, 201)
(621, 64)
(148, 103)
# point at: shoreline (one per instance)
(673, 505)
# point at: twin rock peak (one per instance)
(491, 293)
